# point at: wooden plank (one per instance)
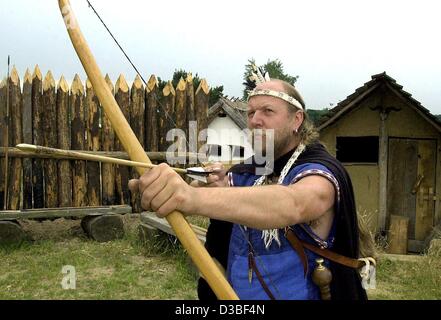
(398, 234)
(167, 115)
(27, 138)
(64, 142)
(50, 140)
(38, 130)
(122, 97)
(2, 139)
(425, 203)
(181, 120)
(93, 144)
(107, 169)
(402, 175)
(151, 115)
(63, 212)
(137, 122)
(201, 108)
(16, 171)
(78, 127)
(151, 219)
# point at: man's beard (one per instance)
(265, 141)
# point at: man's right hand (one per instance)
(218, 178)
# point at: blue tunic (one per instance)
(280, 266)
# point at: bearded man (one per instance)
(256, 209)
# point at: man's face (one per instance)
(266, 112)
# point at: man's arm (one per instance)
(264, 207)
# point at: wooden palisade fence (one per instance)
(44, 113)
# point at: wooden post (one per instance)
(93, 144)
(50, 140)
(181, 118)
(64, 142)
(167, 116)
(16, 172)
(201, 108)
(38, 129)
(103, 228)
(108, 140)
(78, 127)
(122, 97)
(151, 115)
(398, 231)
(27, 138)
(137, 107)
(382, 166)
(3, 142)
(191, 118)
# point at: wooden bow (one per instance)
(185, 234)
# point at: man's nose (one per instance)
(256, 120)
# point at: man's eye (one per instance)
(250, 114)
(268, 111)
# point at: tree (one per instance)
(274, 69)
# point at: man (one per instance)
(306, 193)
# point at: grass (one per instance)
(122, 269)
(128, 269)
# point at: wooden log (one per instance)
(201, 109)
(151, 115)
(50, 140)
(167, 118)
(64, 142)
(137, 122)
(78, 127)
(108, 141)
(3, 142)
(398, 234)
(54, 213)
(93, 144)
(27, 138)
(103, 228)
(122, 97)
(181, 120)
(11, 233)
(191, 120)
(16, 168)
(38, 130)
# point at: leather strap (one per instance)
(325, 253)
(252, 265)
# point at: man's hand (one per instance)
(163, 191)
(218, 178)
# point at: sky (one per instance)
(333, 46)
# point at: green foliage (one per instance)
(274, 69)
(315, 115)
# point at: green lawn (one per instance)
(128, 269)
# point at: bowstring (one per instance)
(132, 64)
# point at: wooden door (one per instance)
(411, 185)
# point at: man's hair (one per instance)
(307, 131)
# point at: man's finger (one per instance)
(134, 185)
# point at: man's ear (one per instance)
(298, 120)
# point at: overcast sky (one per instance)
(334, 46)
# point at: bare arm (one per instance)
(267, 207)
